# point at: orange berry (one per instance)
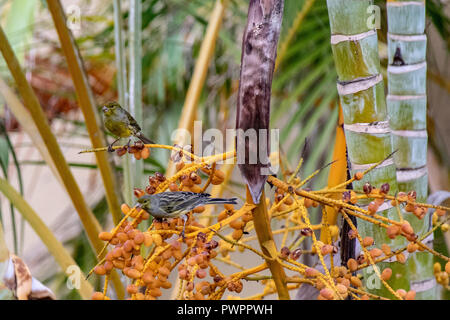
(447, 267)
(375, 253)
(367, 241)
(199, 209)
(326, 249)
(372, 208)
(352, 265)
(401, 258)
(412, 247)
(386, 274)
(98, 296)
(100, 270)
(132, 289)
(237, 234)
(157, 239)
(393, 231)
(356, 281)
(145, 153)
(105, 236)
(201, 273)
(401, 293)
(139, 238)
(411, 295)
(359, 175)
(133, 273)
(236, 224)
(406, 228)
(155, 292)
(386, 249)
(311, 272)
(125, 208)
(327, 293)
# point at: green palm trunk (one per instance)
(407, 102)
(360, 86)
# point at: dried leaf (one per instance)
(17, 278)
(259, 47)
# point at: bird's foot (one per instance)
(110, 148)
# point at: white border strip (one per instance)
(404, 3)
(407, 38)
(357, 86)
(337, 38)
(379, 127)
(394, 97)
(406, 68)
(408, 175)
(411, 133)
(364, 167)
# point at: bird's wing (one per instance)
(132, 124)
(182, 201)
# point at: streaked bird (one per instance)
(175, 204)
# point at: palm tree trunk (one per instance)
(360, 86)
(407, 102)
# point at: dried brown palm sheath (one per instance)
(259, 49)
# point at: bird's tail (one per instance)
(221, 201)
(144, 139)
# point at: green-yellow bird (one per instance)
(121, 124)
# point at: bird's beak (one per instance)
(104, 109)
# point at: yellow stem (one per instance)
(87, 105)
(264, 232)
(62, 257)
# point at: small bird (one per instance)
(174, 204)
(121, 124)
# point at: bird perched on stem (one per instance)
(173, 204)
(121, 124)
